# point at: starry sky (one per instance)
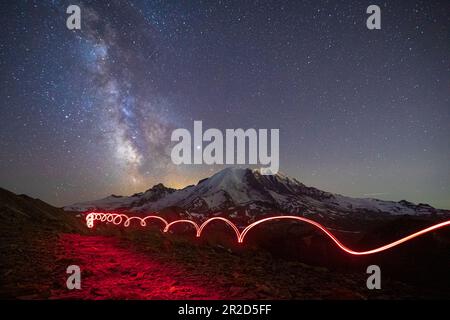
(87, 113)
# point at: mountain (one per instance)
(14, 207)
(17, 211)
(39, 241)
(247, 193)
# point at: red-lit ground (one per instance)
(291, 261)
(127, 264)
(112, 271)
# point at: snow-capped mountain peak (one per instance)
(232, 189)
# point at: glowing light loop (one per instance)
(118, 218)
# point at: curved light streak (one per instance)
(182, 221)
(117, 219)
(143, 223)
(231, 224)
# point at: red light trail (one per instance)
(118, 218)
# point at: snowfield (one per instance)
(232, 189)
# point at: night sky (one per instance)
(88, 113)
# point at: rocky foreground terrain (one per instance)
(38, 242)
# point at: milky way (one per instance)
(86, 113)
(133, 119)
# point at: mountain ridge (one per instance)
(236, 191)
